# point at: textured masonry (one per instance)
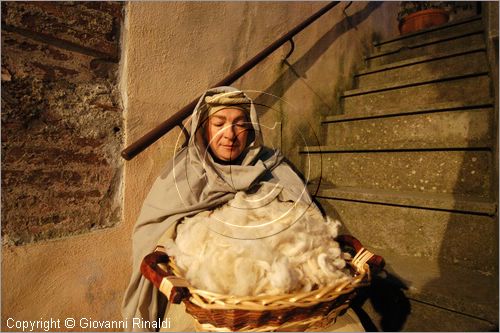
(61, 119)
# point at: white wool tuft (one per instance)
(299, 256)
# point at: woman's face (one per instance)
(227, 132)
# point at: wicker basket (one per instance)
(305, 310)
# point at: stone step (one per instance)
(474, 88)
(451, 29)
(419, 109)
(465, 239)
(423, 317)
(456, 43)
(457, 128)
(426, 68)
(439, 296)
(438, 170)
(430, 318)
(405, 62)
(410, 199)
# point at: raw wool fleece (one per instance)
(300, 255)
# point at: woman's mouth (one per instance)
(230, 146)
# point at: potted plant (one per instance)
(418, 15)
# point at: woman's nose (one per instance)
(229, 132)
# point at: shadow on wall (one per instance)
(309, 58)
(468, 250)
(291, 73)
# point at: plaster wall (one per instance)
(172, 52)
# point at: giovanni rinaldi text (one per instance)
(85, 323)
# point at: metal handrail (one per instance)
(176, 119)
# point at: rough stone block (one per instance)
(72, 22)
(25, 57)
(61, 120)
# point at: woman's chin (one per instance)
(228, 158)
(227, 155)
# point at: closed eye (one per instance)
(241, 125)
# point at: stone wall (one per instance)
(62, 130)
(172, 51)
(61, 119)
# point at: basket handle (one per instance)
(376, 262)
(173, 287)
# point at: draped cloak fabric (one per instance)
(193, 182)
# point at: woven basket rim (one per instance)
(211, 301)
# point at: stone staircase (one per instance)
(408, 166)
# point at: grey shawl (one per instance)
(193, 182)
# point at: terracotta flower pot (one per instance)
(423, 19)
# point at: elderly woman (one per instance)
(224, 155)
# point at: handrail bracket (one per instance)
(292, 48)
